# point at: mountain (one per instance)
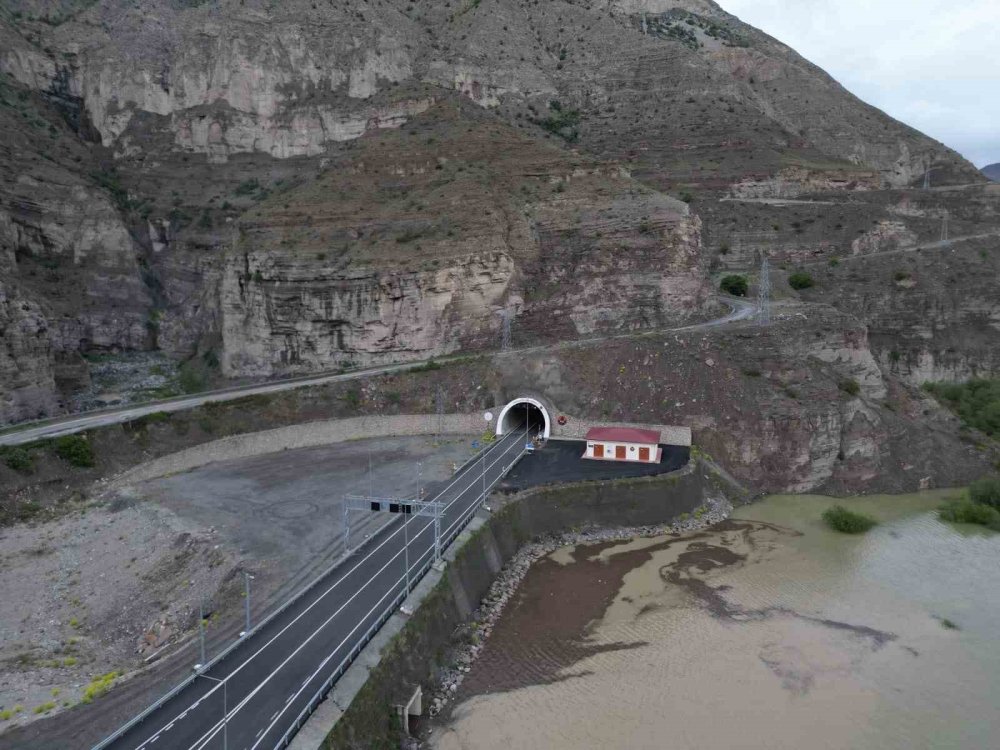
(256, 188)
(992, 171)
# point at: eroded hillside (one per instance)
(259, 189)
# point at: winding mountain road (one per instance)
(28, 432)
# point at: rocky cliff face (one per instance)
(276, 184)
(400, 252)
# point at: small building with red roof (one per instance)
(623, 444)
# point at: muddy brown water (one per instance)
(767, 631)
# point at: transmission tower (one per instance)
(944, 227)
(505, 330)
(764, 292)
(927, 178)
(439, 408)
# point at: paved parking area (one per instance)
(559, 461)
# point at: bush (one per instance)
(976, 402)
(98, 687)
(986, 492)
(847, 521)
(849, 386)
(19, 459)
(800, 280)
(76, 450)
(735, 285)
(965, 510)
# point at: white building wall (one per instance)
(631, 450)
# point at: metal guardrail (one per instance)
(174, 691)
(345, 663)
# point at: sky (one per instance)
(933, 64)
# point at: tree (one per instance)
(734, 284)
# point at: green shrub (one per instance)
(849, 386)
(98, 687)
(191, 378)
(847, 521)
(19, 459)
(976, 402)
(800, 280)
(986, 492)
(964, 510)
(75, 450)
(734, 284)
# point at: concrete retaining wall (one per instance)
(301, 436)
(359, 713)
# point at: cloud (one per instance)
(931, 63)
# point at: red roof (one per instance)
(624, 435)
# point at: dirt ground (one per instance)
(286, 508)
(121, 579)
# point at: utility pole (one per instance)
(764, 293)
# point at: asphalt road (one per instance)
(50, 428)
(264, 684)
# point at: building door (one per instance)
(620, 452)
(598, 450)
(644, 454)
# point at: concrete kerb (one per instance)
(313, 733)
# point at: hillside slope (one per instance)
(198, 134)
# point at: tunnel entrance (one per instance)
(522, 411)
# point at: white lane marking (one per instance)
(326, 661)
(318, 599)
(202, 741)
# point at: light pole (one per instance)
(201, 629)
(225, 704)
(406, 546)
(246, 584)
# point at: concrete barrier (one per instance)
(305, 435)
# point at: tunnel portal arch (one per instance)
(510, 417)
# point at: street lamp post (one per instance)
(225, 705)
(406, 547)
(246, 583)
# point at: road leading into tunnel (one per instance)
(253, 698)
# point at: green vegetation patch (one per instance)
(19, 459)
(734, 284)
(965, 510)
(977, 402)
(800, 280)
(562, 122)
(847, 521)
(75, 450)
(98, 687)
